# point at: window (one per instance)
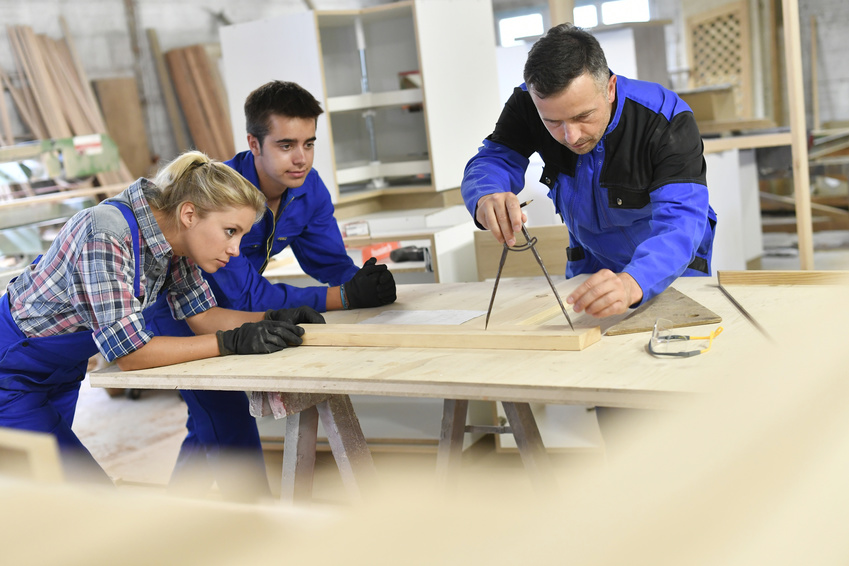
(619, 11)
(586, 16)
(612, 12)
(511, 30)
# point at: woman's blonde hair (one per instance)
(208, 184)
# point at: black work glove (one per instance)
(261, 337)
(295, 316)
(371, 286)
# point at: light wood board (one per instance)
(616, 372)
(672, 305)
(121, 106)
(783, 277)
(444, 336)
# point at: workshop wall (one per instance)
(833, 66)
(101, 31)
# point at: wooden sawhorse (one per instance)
(347, 443)
(522, 425)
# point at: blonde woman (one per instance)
(109, 263)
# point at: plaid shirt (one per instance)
(85, 280)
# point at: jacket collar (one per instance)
(621, 86)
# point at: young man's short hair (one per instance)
(278, 97)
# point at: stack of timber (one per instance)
(199, 88)
(124, 118)
(54, 98)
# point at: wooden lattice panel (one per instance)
(720, 52)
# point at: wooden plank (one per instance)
(23, 97)
(168, 94)
(198, 65)
(546, 315)
(589, 377)
(554, 338)
(73, 114)
(672, 305)
(48, 90)
(81, 74)
(121, 107)
(739, 125)
(561, 11)
(24, 113)
(107, 190)
(38, 95)
(552, 242)
(783, 277)
(798, 128)
(837, 215)
(31, 455)
(218, 92)
(73, 81)
(7, 136)
(189, 101)
(715, 145)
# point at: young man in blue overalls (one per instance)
(281, 122)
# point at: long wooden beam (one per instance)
(799, 132)
(783, 277)
(445, 336)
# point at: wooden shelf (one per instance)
(374, 100)
(450, 46)
(344, 18)
(353, 173)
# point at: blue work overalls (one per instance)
(40, 379)
(218, 421)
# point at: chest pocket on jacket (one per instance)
(549, 176)
(252, 241)
(626, 199)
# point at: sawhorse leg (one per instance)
(347, 443)
(450, 449)
(523, 426)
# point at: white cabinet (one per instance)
(409, 89)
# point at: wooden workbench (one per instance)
(616, 372)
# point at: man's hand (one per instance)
(261, 337)
(605, 293)
(295, 316)
(371, 286)
(501, 214)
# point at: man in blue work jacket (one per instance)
(623, 165)
(281, 122)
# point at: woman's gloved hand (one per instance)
(372, 286)
(295, 316)
(261, 337)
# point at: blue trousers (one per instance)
(222, 446)
(52, 411)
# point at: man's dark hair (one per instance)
(281, 98)
(563, 54)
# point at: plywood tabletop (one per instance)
(616, 371)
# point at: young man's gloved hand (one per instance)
(261, 337)
(295, 316)
(371, 286)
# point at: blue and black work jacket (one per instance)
(636, 203)
(306, 223)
